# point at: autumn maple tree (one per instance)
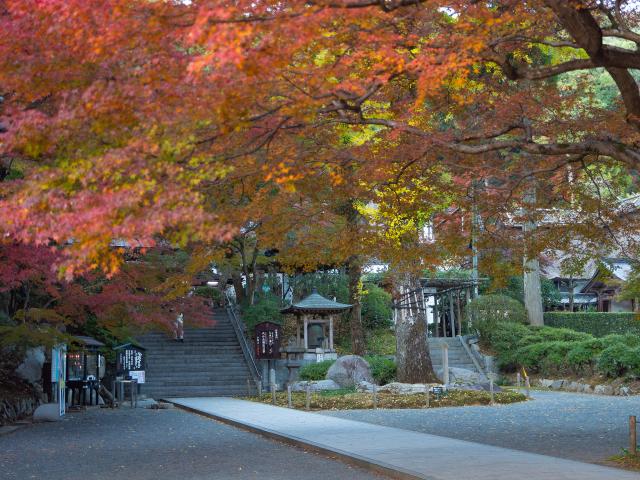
(198, 122)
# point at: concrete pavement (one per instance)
(396, 452)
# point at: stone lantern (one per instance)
(314, 327)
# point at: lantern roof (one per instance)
(316, 303)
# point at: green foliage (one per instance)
(381, 342)
(619, 360)
(266, 308)
(515, 290)
(315, 371)
(561, 350)
(486, 311)
(376, 307)
(383, 369)
(328, 284)
(212, 293)
(597, 324)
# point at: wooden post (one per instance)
(467, 299)
(331, 333)
(304, 332)
(527, 385)
(248, 387)
(375, 396)
(308, 397)
(273, 393)
(518, 380)
(445, 363)
(260, 388)
(452, 320)
(491, 391)
(435, 315)
(633, 442)
(289, 401)
(459, 312)
(426, 394)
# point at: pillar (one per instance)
(304, 332)
(331, 333)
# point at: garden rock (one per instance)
(461, 376)
(47, 412)
(557, 384)
(573, 387)
(31, 367)
(350, 370)
(364, 387)
(147, 403)
(314, 386)
(546, 383)
(402, 388)
(603, 390)
(586, 388)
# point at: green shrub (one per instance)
(486, 311)
(265, 309)
(583, 354)
(376, 307)
(212, 293)
(619, 360)
(383, 369)
(381, 342)
(598, 324)
(315, 371)
(545, 357)
(504, 340)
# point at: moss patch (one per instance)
(349, 400)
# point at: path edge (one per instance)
(356, 460)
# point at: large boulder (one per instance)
(31, 367)
(403, 388)
(47, 412)
(461, 376)
(314, 386)
(350, 370)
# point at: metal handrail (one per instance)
(247, 351)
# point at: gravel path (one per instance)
(588, 428)
(127, 444)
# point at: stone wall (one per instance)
(17, 408)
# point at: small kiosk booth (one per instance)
(314, 327)
(85, 368)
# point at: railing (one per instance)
(476, 363)
(247, 351)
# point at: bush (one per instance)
(487, 311)
(212, 293)
(504, 340)
(584, 354)
(383, 369)
(545, 357)
(620, 360)
(381, 342)
(598, 324)
(315, 371)
(265, 309)
(376, 308)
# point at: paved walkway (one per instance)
(141, 444)
(407, 453)
(587, 428)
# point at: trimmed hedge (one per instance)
(598, 324)
(550, 350)
(315, 371)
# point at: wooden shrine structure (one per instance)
(441, 301)
(314, 316)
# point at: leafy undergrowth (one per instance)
(349, 400)
(626, 460)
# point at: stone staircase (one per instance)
(208, 363)
(458, 356)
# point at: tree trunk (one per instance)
(531, 280)
(412, 348)
(354, 272)
(532, 292)
(236, 278)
